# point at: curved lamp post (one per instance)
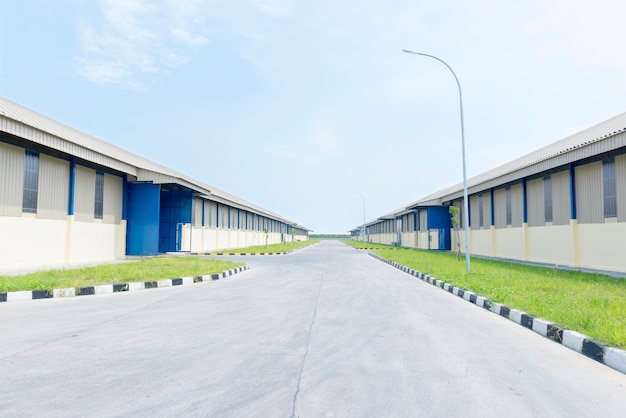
(465, 202)
(363, 215)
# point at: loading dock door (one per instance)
(444, 239)
(176, 207)
(142, 229)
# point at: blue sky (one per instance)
(296, 105)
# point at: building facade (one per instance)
(67, 199)
(562, 205)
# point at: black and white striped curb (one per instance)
(213, 253)
(234, 253)
(114, 288)
(610, 356)
(376, 248)
(246, 254)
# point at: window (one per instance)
(509, 214)
(99, 201)
(480, 211)
(609, 187)
(547, 198)
(31, 182)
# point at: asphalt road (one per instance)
(325, 331)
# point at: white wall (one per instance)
(217, 239)
(601, 246)
(423, 240)
(29, 244)
(587, 246)
(409, 239)
(551, 245)
(480, 241)
(34, 244)
(94, 242)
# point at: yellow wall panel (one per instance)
(11, 179)
(480, 242)
(589, 193)
(499, 197)
(510, 243)
(85, 194)
(53, 194)
(536, 208)
(551, 245)
(561, 198)
(113, 199)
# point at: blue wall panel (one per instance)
(439, 217)
(142, 229)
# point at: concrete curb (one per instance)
(609, 356)
(227, 253)
(246, 254)
(376, 248)
(26, 295)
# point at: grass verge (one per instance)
(367, 245)
(593, 304)
(150, 269)
(271, 248)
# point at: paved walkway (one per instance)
(324, 331)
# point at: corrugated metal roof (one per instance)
(600, 138)
(30, 125)
(603, 137)
(72, 137)
(301, 227)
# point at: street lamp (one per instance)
(363, 214)
(465, 202)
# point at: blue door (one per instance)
(142, 228)
(175, 210)
(444, 239)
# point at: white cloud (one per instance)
(188, 37)
(135, 38)
(257, 37)
(273, 7)
(104, 73)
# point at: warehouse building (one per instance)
(67, 198)
(564, 204)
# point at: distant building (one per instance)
(564, 204)
(67, 198)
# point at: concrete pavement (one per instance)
(325, 331)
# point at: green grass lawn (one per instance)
(592, 304)
(368, 245)
(149, 269)
(271, 248)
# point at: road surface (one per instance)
(327, 331)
